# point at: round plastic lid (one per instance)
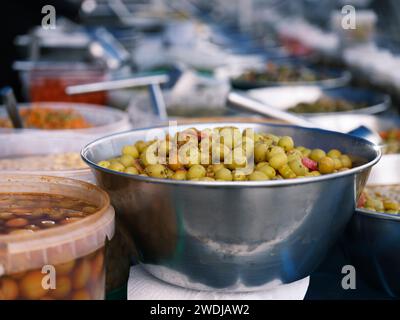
(20, 252)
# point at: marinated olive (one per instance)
(326, 165)
(131, 170)
(317, 154)
(334, 153)
(223, 174)
(286, 143)
(346, 161)
(116, 166)
(257, 176)
(238, 175)
(268, 170)
(297, 167)
(219, 153)
(127, 160)
(278, 160)
(196, 171)
(131, 151)
(156, 171)
(179, 175)
(104, 164)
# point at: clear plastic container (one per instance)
(103, 120)
(46, 81)
(73, 254)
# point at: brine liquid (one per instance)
(31, 212)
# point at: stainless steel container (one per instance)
(234, 235)
(372, 243)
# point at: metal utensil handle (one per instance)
(117, 84)
(158, 102)
(11, 106)
(244, 103)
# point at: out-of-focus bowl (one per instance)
(372, 243)
(103, 120)
(332, 78)
(234, 235)
(287, 97)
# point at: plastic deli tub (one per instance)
(65, 261)
(46, 81)
(44, 154)
(103, 120)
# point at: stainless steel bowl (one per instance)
(372, 243)
(287, 97)
(234, 235)
(332, 78)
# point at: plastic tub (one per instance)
(72, 255)
(46, 81)
(17, 146)
(104, 120)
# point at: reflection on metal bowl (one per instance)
(230, 236)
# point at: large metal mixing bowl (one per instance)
(234, 235)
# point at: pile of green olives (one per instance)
(381, 199)
(226, 154)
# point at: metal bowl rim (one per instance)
(377, 215)
(234, 184)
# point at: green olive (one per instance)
(286, 172)
(219, 152)
(286, 143)
(104, 164)
(326, 165)
(294, 155)
(346, 161)
(391, 205)
(215, 167)
(127, 160)
(196, 171)
(224, 174)
(116, 166)
(334, 153)
(238, 175)
(237, 159)
(156, 171)
(338, 163)
(317, 154)
(298, 168)
(206, 179)
(130, 150)
(274, 151)
(179, 175)
(278, 160)
(261, 164)
(268, 170)
(257, 176)
(131, 170)
(260, 152)
(140, 146)
(313, 174)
